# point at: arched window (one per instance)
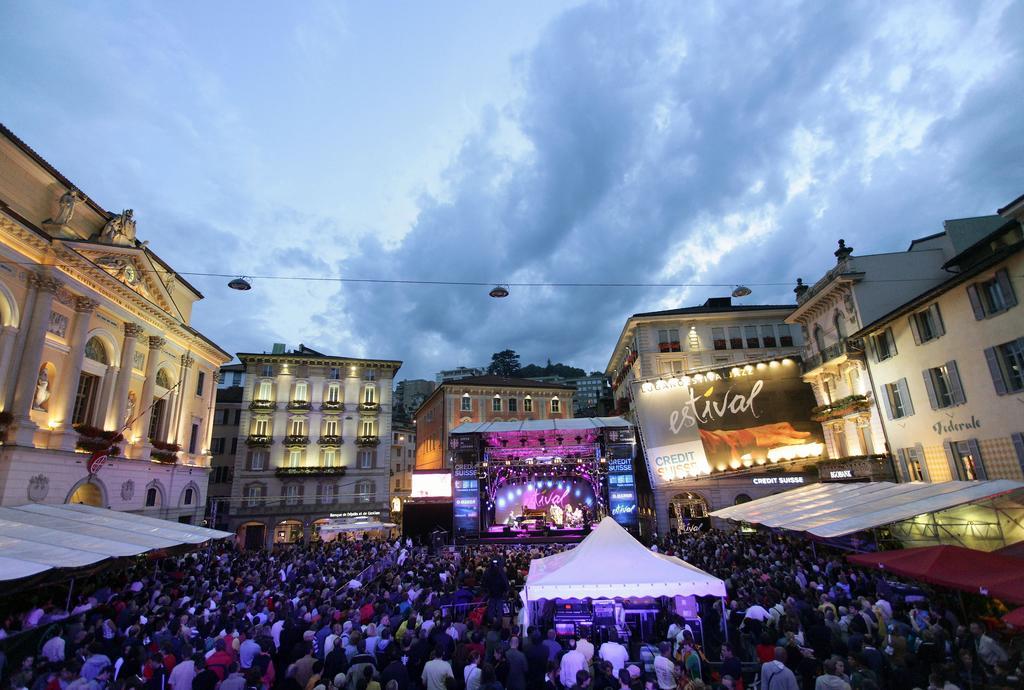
(95, 351)
(188, 497)
(837, 321)
(819, 338)
(152, 497)
(741, 498)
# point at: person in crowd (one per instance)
(776, 675)
(614, 653)
(572, 663)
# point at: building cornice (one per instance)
(317, 360)
(824, 294)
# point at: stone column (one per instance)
(205, 438)
(8, 334)
(22, 430)
(17, 353)
(186, 393)
(63, 401)
(105, 413)
(132, 331)
(145, 404)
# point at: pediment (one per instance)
(133, 268)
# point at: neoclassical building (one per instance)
(314, 443)
(96, 351)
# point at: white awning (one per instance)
(35, 538)
(609, 562)
(834, 510)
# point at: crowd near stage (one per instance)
(541, 481)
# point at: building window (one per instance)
(365, 492)
(367, 427)
(294, 458)
(943, 385)
(751, 334)
(152, 497)
(291, 494)
(767, 336)
(253, 494)
(333, 392)
(85, 398)
(328, 493)
(837, 322)
(95, 351)
(819, 338)
(331, 427)
(398, 484)
(927, 325)
(189, 494)
(513, 405)
(334, 373)
(297, 427)
(467, 403)
(200, 381)
(912, 463)
(236, 378)
(369, 375)
(897, 400)
(366, 460)
(884, 345)
(257, 460)
(785, 335)
(370, 394)
(301, 391)
(260, 426)
(668, 340)
(1006, 365)
(234, 445)
(718, 338)
(965, 460)
(735, 339)
(193, 437)
(267, 370)
(496, 404)
(238, 417)
(217, 446)
(265, 391)
(556, 405)
(992, 296)
(527, 404)
(330, 457)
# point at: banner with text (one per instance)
(757, 416)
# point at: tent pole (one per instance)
(725, 624)
(71, 588)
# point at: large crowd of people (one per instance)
(378, 615)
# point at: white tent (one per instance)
(833, 510)
(35, 538)
(611, 563)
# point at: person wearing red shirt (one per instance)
(219, 661)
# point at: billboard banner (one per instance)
(622, 501)
(466, 500)
(754, 416)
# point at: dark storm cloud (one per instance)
(713, 144)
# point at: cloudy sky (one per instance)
(537, 141)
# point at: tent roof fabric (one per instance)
(609, 562)
(968, 570)
(541, 425)
(835, 510)
(36, 538)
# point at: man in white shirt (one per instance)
(664, 669)
(471, 674)
(614, 653)
(182, 675)
(572, 661)
(53, 650)
(586, 648)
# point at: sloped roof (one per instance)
(609, 562)
(967, 232)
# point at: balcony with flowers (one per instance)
(840, 408)
(92, 439)
(299, 406)
(166, 453)
(330, 440)
(332, 406)
(369, 407)
(316, 471)
(258, 440)
(262, 405)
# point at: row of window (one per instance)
(945, 389)
(963, 457)
(513, 404)
(300, 392)
(333, 373)
(364, 491)
(752, 337)
(258, 459)
(297, 426)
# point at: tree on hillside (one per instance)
(504, 363)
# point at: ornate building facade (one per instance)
(96, 350)
(314, 444)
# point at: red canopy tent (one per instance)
(1015, 618)
(1014, 550)
(955, 567)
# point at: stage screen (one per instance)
(467, 501)
(561, 500)
(431, 485)
(757, 415)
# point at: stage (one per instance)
(497, 534)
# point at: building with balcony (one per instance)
(483, 399)
(227, 416)
(858, 290)
(96, 352)
(309, 443)
(948, 364)
(403, 460)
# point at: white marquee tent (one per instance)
(37, 538)
(832, 510)
(610, 563)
